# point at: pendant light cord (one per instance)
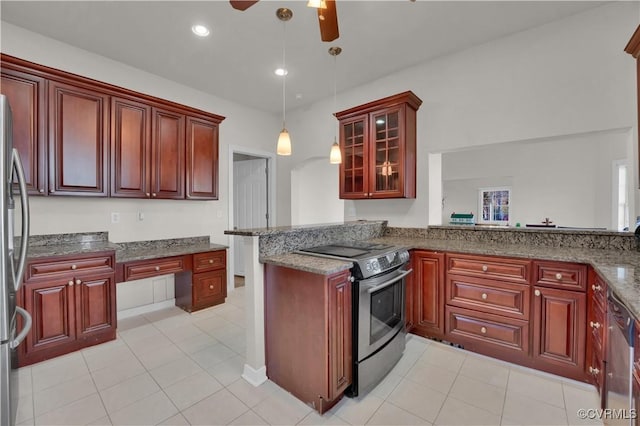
(335, 90)
(285, 72)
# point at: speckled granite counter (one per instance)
(303, 262)
(64, 244)
(80, 243)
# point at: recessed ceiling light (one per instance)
(281, 72)
(200, 30)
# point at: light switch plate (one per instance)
(115, 217)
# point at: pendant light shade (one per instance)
(335, 156)
(284, 143)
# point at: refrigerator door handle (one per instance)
(24, 202)
(25, 329)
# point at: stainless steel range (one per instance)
(379, 280)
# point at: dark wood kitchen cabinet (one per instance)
(72, 302)
(308, 334)
(428, 293)
(167, 154)
(206, 284)
(559, 318)
(596, 332)
(378, 144)
(202, 159)
(130, 148)
(78, 140)
(27, 98)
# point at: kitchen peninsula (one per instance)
(550, 263)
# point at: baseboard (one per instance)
(144, 309)
(253, 376)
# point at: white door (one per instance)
(250, 205)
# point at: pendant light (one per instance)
(335, 157)
(284, 141)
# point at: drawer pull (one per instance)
(74, 267)
(594, 371)
(483, 330)
(537, 292)
(211, 287)
(484, 296)
(558, 276)
(211, 261)
(78, 282)
(157, 268)
(594, 324)
(596, 287)
(485, 268)
(70, 283)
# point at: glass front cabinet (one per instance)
(378, 144)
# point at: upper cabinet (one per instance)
(378, 144)
(78, 140)
(78, 136)
(27, 97)
(633, 48)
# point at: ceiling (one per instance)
(236, 61)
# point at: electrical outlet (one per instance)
(140, 216)
(115, 217)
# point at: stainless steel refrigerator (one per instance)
(12, 263)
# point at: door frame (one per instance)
(271, 197)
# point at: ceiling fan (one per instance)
(327, 17)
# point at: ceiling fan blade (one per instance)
(242, 4)
(328, 19)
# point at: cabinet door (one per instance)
(95, 304)
(340, 344)
(78, 140)
(202, 159)
(51, 305)
(130, 148)
(167, 171)
(209, 288)
(386, 153)
(354, 169)
(26, 96)
(559, 331)
(428, 280)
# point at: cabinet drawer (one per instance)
(496, 268)
(209, 261)
(493, 330)
(152, 268)
(598, 292)
(497, 297)
(209, 288)
(103, 263)
(570, 276)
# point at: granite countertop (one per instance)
(619, 268)
(276, 230)
(303, 262)
(82, 243)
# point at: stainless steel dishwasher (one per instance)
(619, 362)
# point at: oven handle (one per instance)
(391, 281)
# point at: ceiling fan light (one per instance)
(318, 4)
(284, 143)
(335, 157)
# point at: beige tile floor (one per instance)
(172, 368)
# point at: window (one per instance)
(622, 206)
(494, 205)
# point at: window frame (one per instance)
(492, 221)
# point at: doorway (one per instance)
(251, 200)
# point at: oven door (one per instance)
(381, 310)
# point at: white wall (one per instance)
(163, 219)
(568, 180)
(314, 193)
(568, 77)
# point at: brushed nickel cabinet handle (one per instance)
(211, 287)
(153, 194)
(157, 268)
(147, 194)
(210, 260)
(537, 292)
(595, 287)
(594, 324)
(483, 330)
(558, 276)
(484, 296)
(74, 267)
(485, 268)
(594, 371)
(70, 283)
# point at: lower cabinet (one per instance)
(206, 284)
(308, 334)
(559, 328)
(72, 302)
(427, 289)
